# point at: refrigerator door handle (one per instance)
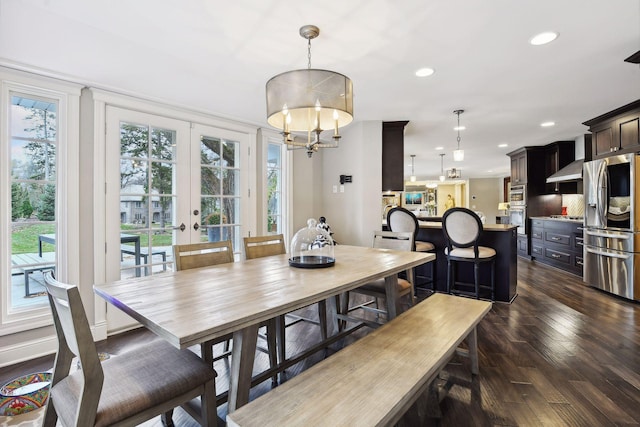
(607, 254)
(608, 235)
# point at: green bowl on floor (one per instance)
(25, 394)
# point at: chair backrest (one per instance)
(75, 339)
(401, 219)
(261, 246)
(461, 227)
(197, 255)
(397, 240)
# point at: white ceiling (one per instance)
(216, 56)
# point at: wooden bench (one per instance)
(27, 263)
(375, 380)
(144, 254)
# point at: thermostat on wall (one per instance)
(345, 178)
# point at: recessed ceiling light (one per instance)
(547, 124)
(439, 148)
(503, 145)
(425, 72)
(543, 38)
(459, 128)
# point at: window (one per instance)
(274, 188)
(37, 164)
(274, 160)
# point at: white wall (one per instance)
(484, 196)
(355, 214)
(306, 187)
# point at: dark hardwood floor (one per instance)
(562, 354)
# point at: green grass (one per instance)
(24, 237)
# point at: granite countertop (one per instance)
(577, 220)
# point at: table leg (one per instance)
(137, 250)
(331, 318)
(242, 356)
(391, 290)
(472, 342)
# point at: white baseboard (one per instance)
(41, 347)
(28, 350)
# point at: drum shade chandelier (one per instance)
(458, 155)
(309, 101)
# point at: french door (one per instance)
(169, 182)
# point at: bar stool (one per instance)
(462, 228)
(402, 220)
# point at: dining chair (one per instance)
(261, 246)
(400, 241)
(462, 229)
(126, 389)
(196, 255)
(401, 219)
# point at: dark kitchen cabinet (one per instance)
(616, 132)
(519, 167)
(393, 156)
(523, 245)
(525, 168)
(557, 242)
(558, 155)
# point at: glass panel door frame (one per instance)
(244, 222)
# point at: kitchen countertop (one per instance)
(548, 218)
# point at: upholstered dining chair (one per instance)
(126, 389)
(196, 255)
(462, 229)
(401, 219)
(261, 246)
(400, 241)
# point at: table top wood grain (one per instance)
(194, 306)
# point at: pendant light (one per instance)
(412, 178)
(309, 101)
(458, 155)
(442, 167)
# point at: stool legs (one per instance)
(451, 278)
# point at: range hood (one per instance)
(571, 172)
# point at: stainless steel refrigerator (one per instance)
(612, 225)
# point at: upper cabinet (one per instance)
(616, 132)
(393, 156)
(525, 168)
(519, 167)
(558, 155)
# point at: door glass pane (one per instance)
(33, 136)
(147, 177)
(220, 190)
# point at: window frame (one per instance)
(67, 96)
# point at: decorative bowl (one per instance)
(25, 394)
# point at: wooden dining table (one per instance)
(194, 307)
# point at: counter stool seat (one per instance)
(424, 246)
(462, 229)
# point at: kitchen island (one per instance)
(501, 237)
